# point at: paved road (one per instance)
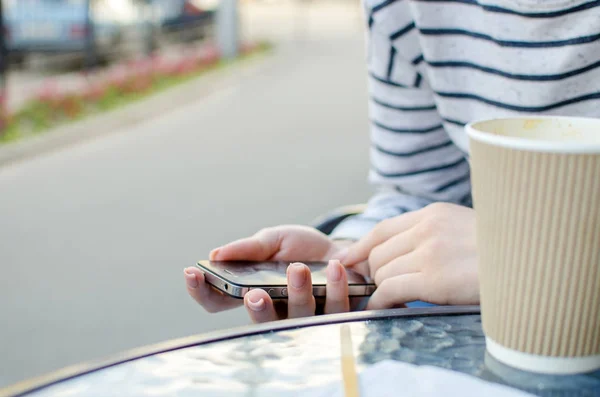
(94, 238)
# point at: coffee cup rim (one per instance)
(534, 145)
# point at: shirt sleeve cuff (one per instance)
(352, 228)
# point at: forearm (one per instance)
(413, 160)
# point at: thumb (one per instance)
(397, 290)
(260, 247)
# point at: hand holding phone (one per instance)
(282, 243)
(261, 300)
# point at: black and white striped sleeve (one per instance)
(413, 160)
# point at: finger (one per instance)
(405, 264)
(337, 300)
(382, 232)
(260, 306)
(397, 290)
(397, 246)
(209, 298)
(260, 247)
(361, 268)
(301, 302)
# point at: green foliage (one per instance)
(143, 78)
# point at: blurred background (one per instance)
(136, 135)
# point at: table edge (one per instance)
(35, 384)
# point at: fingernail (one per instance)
(190, 278)
(341, 254)
(297, 275)
(256, 306)
(334, 271)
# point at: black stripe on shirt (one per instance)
(390, 67)
(409, 130)
(386, 81)
(460, 124)
(511, 43)
(377, 8)
(543, 108)
(455, 122)
(454, 182)
(418, 80)
(414, 152)
(418, 60)
(502, 10)
(515, 76)
(422, 108)
(382, 5)
(402, 32)
(422, 171)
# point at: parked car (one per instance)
(185, 20)
(59, 27)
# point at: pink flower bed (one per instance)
(69, 97)
(135, 76)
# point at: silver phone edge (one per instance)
(238, 291)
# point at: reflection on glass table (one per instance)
(289, 356)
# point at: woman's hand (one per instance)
(282, 243)
(428, 255)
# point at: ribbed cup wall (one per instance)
(538, 237)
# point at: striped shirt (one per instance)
(435, 65)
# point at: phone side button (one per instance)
(284, 292)
(271, 292)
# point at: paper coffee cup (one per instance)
(536, 193)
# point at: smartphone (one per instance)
(236, 278)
